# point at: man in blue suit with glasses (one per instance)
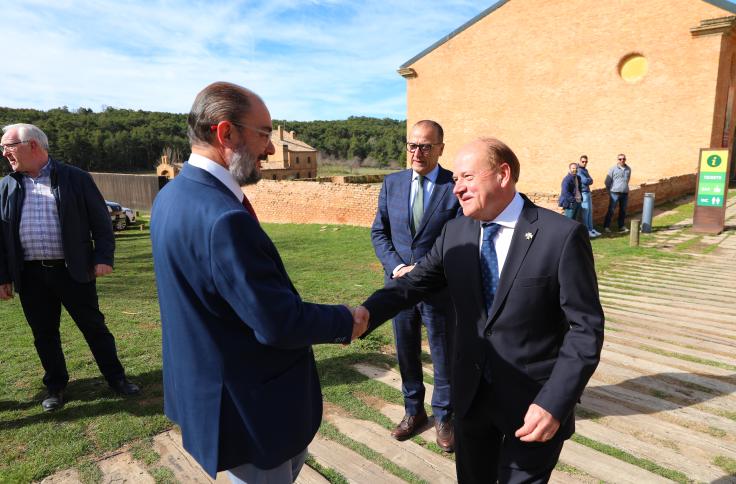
(413, 207)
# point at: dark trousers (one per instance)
(616, 198)
(484, 455)
(408, 335)
(43, 291)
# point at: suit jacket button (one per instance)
(489, 333)
(477, 366)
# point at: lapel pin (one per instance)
(528, 236)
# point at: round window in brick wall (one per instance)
(633, 68)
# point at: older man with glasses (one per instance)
(55, 240)
(413, 207)
(617, 184)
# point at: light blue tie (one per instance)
(417, 207)
(489, 264)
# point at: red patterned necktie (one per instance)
(249, 207)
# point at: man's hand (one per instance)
(102, 270)
(360, 321)
(6, 291)
(539, 425)
(403, 271)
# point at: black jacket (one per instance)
(544, 333)
(86, 229)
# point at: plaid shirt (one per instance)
(40, 230)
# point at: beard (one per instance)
(244, 167)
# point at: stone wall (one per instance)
(355, 204)
(314, 202)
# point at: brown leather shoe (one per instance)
(445, 435)
(409, 426)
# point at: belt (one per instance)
(47, 263)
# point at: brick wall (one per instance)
(352, 203)
(355, 204)
(314, 202)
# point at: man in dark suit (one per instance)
(529, 321)
(413, 206)
(239, 373)
(56, 238)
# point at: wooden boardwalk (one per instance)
(660, 408)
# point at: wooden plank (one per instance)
(353, 466)
(648, 403)
(605, 467)
(413, 457)
(660, 454)
(310, 476)
(630, 337)
(722, 322)
(613, 374)
(662, 333)
(123, 468)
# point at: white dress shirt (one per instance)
(507, 220)
(219, 172)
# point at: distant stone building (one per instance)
(653, 79)
(293, 158)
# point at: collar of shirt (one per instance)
(431, 176)
(430, 179)
(44, 171)
(219, 172)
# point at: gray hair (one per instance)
(28, 132)
(220, 101)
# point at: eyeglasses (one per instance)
(622, 159)
(262, 132)
(424, 148)
(12, 145)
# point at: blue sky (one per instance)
(308, 59)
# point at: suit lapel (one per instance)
(522, 240)
(438, 193)
(403, 196)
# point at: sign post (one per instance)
(711, 190)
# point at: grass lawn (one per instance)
(329, 264)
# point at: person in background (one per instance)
(413, 206)
(586, 206)
(570, 195)
(617, 184)
(56, 239)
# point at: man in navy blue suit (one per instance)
(413, 206)
(239, 373)
(529, 326)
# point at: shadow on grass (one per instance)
(664, 391)
(91, 397)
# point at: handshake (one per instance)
(360, 321)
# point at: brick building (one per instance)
(654, 79)
(293, 158)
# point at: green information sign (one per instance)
(712, 181)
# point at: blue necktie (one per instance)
(489, 264)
